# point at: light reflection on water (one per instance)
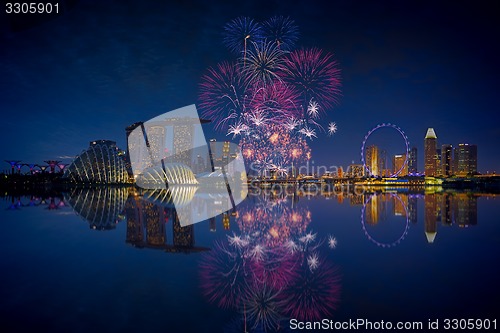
(275, 257)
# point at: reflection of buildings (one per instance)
(400, 205)
(146, 227)
(412, 209)
(101, 207)
(465, 209)
(430, 217)
(376, 209)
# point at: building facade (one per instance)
(430, 153)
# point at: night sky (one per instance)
(99, 66)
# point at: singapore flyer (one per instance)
(372, 202)
(375, 158)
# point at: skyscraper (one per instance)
(372, 159)
(398, 165)
(412, 161)
(430, 153)
(446, 160)
(466, 159)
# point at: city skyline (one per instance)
(409, 76)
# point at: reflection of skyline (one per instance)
(147, 227)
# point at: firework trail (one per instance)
(240, 32)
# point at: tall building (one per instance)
(430, 153)
(465, 159)
(372, 159)
(383, 166)
(412, 161)
(212, 153)
(398, 162)
(225, 153)
(446, 160)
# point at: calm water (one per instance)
(113, 260)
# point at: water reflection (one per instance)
(147, 219)
(101, 207)
(272, 267)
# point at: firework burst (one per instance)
(281, 30)
(315, 74)
(223, 94)
(240, 32)
(263, 61)
(332, 128)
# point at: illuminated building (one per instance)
(446, 160)
(157, 140)
(225, 153)
(372, 160)
(168, 173)
(183, 143)
(398, 161)
(100, 163)
(465, 159)
(430, 153)
(225, 221)
(412, 161)
(356, 171)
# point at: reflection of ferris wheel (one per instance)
(382, 244)
(405, 138)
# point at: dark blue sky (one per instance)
(100, 66)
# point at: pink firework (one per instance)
(223, 94)
(315, 74)
(279, 100)
(224, 276)
(315, 294)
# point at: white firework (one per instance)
(237, 129)
(292, 123)
(308, 132)
(313, 261)
(237, 241)
(313, 109)
(308, 238)
(258, 118)
(332, 242)
(291, 246)
(257, 252)
(332, 128)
